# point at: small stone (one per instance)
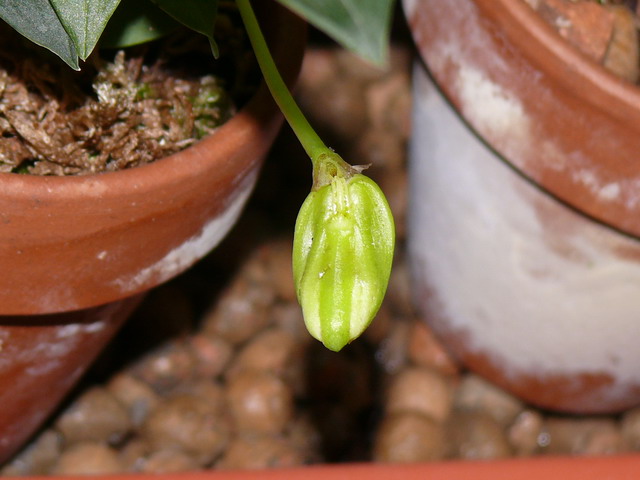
(288, 317)
(382, 149)
(189, 424)
(169, 461)
(382, 324)
(476, 436)
(426, 351)
(133, 454)
(167, 366)
(135, 395)
(420, 390)
(257, 452)
(88, 458)
(212, 354)
(630, 427)
(207, 390)
(279, 267)
(477, 394)
(389, 104)
(574, 436)
(400, 287)
(241, 312)
(525, 431)
(270, 351)
(392, 351)
(259, 402)
(302, 433)
(334, 106)
(95, 416)
(37, 458)
(394, 184)
(405, 437)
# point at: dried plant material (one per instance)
(113, 115)
(622, 57)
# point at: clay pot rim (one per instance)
(171, 169)
(535, 468)
(536, 39)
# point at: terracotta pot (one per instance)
(77, 252)
(549, 468)
(525, 217)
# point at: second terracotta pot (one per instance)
(521, 144)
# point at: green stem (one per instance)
(310, 141)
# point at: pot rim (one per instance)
(618, 467)
(576, 126)
(147, 178)
(568, 63)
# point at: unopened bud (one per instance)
(342, 255)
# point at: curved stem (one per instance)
(307, 136)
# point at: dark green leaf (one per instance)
(135, 22)
(198, 15)
(84, 21)
(359, 25)
(38, 21)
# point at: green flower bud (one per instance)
(342, 254)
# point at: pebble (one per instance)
(169, 461)
(476, 394)
(288, 317)
(424, 350)
(380, 149)
(133, 454)
(259, 451)
(167, 366)
(270, 351)
(135, 395)
(407, 436)
(337, 109)
(241, 311)
(389, 105)
(392, 349)
(212, 354)
(88, 458)
(395, 187)
(420, 390)
(95, 416)
(259, 401)
(279, 267)
(630, 427)
(38, 458)
(580, 436)
(525, 432)
(189, 424)
(475, 435)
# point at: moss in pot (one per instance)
(120, 233)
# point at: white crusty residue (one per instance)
(194, 248)
(492, 109)
(536, 297)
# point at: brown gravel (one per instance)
(409, 437)
(223, 374)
